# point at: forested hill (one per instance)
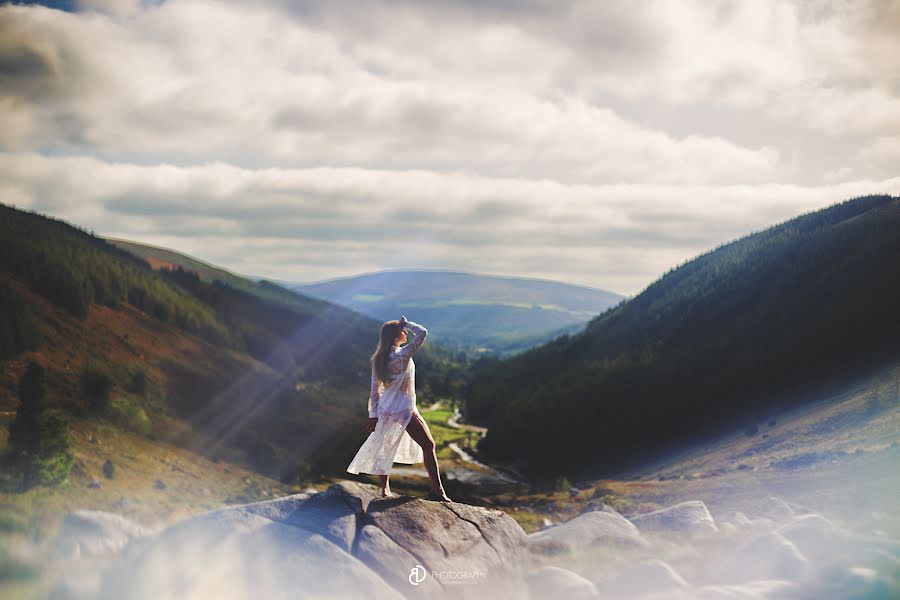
(165, 258)
(751, 326)
(243, 370)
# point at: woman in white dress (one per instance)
(397, 431)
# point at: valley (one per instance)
(218, 394)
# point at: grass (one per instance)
(192, 483)
(444, 435)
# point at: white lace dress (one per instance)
(393, 404)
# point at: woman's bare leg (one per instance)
(418, 431)
(385, 485)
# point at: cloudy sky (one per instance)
(598, 143)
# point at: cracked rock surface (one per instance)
(345, 542)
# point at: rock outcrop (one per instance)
(346, 542)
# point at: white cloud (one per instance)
(595, 142)
(195, 79)
(883, 150)
(316, 223)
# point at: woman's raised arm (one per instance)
(420, 333)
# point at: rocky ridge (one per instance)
(347, 542)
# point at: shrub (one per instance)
(562, 484)
(17, 568)
(24, 429)
(12, 521)
(299, 474)
(96, 387)
(39, 436)
(138, 383)
(18, 329)
(124, 413)
(53, 467)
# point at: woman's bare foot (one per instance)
(388, 494)
(440, 495)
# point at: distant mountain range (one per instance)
(470, 312)
(752, 326)
(465, 312)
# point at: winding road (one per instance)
(482, 475)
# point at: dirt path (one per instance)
(454, 422)
(468, 470)
(491, 476)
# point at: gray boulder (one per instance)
(473, 552)
(776, 509)
(239, 554)
(553, 583)
(738, 520)
(333, 514)
(739, 523)
(766, 556)
(814, 535)
(768, 589)
(96, 534)
(395, 564)
(75, 586)
(346, 542)
(650, 576)
(599, 527)
(727, 528)
(689, 518)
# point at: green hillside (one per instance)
(164, 258)
(752, 326)
(228, 368)
(476, 314)
(446, 374)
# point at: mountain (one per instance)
(165, 258)
(469, 312)
(755, 325)
(229, 368)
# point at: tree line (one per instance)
(753, 326)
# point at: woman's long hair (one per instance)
(390, 331)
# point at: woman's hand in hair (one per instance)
(403, 321)
(372, 422)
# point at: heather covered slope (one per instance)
(754, 325)
(165, 258)
(279, 383)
